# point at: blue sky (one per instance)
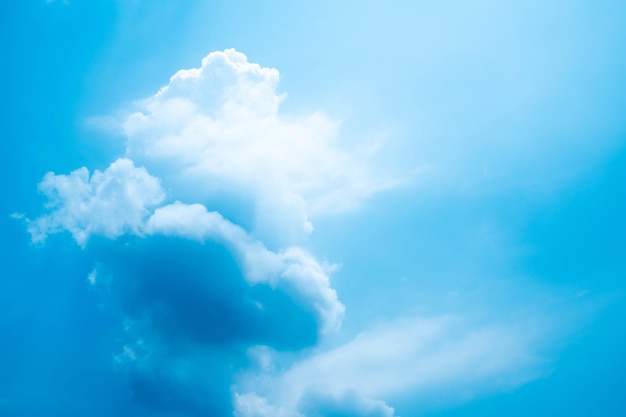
(313, 209)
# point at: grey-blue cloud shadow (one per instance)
(186, 299)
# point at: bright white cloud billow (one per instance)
(108, 203)
(218, 127)
(119, 201)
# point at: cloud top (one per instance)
(218, 128)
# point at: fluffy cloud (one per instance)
(108, 203)
(194, 290)
(189, 318)
(221, 317)
(218, 128)
(117, 202)
(293, 270)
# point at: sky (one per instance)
(312, 209)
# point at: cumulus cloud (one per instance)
(108, 203)
(218, 128)
(189, 318)
(202, 299)
(293, 269)
(193, 290)
(117, 202)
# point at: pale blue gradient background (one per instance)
(515, 110)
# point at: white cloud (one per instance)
(108, 203)
(294, 268)
(420, 358)
(120, 201)
(252, 405)
(218, 127)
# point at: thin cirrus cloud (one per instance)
(198, 294)
(444, 357)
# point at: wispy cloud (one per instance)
(444, 357)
